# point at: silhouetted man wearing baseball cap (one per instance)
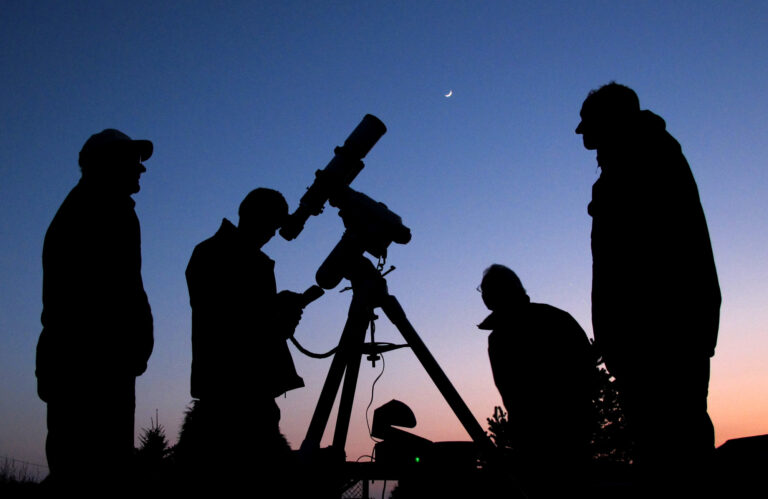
(655, 292)
(97, 325)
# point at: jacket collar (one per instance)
(498, 318)
(94, 192)
(489, 323)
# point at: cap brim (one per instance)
(144, 147)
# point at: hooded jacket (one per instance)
(654, 285)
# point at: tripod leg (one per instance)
(354, 358)
(350, 347)
(396, 315)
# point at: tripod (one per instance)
(369, 291)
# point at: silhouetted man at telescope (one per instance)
(655, 292)
(240, 360)
(97, 324)
(545, 371)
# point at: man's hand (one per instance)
(288, 314)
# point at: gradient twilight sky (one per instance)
(237, 95)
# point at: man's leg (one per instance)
(666, 410)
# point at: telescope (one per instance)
(370, 226)
(337, 174)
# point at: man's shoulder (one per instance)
(223, 237)
(225, 248)
(75, 215)
(73, 202)
(87, 205)
(558, 320)
(213, 248)
(545, 309)
(653, 135)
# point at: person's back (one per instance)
(650, 240)
(544, 369)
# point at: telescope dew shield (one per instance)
(338, 173)
(364, 136)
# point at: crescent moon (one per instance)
(450, 92)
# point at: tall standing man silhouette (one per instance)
(97, 324)
(655, 293)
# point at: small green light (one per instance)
(418, 459)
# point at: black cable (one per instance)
(312, 354)
(373, 387)
(367, 348)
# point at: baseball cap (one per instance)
(111, 141)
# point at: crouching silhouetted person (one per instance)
(240, 359)
(97, 324)
(544, 370)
